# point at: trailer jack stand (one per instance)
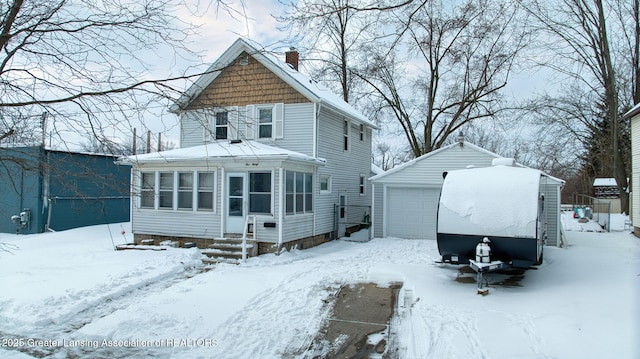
(481, 269)
(481, 289)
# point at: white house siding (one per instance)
(345, 168)
(635, 171)
(191, 128)
(175, 223)
(298, 122)
(298, 129)
(428, 170)
(297, 226)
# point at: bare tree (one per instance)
(331, 33)
(459, 58)
(578, 37)
(88, 64)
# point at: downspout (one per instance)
(316, 116)
(373, 211)
(280, 205)
(223, 200)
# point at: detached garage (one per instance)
(405, 198)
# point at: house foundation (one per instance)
(263, 247)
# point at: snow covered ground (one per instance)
(69, 294)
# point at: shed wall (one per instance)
(21, 187)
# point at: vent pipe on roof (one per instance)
(292, 57)
(461, 139)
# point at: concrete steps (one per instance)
(228, 250)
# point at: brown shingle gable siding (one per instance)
(241, 85)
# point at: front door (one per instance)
(236, 202)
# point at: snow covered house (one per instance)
(264, 149)
(405, 198)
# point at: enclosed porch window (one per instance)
(260, 192)
(298, 192)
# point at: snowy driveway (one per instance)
(73, 291)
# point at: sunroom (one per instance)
(217, 190)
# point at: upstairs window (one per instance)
(222, 125)
(362, 132)
(362, 185)
(265, 125)
(345, 134)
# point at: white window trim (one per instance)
(363, 133)
(259, 124)
(277, 121)
(295, 193)
(346, 123)
(328, 190)
(193, 189)
(210, 123)
(139, 179)
(362, 185)
(196, 185)
(271, 204)
(156, 190)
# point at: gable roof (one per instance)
(306, 86)
(221, 150)
(443, 149)
(431, 154)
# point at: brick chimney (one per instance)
(291, 57)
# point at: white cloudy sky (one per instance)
(219, 27)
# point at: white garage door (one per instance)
(411, 212)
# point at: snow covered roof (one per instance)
(23, 146)
(633, 112)
(605, 182)
(497, 200)
(302, 83)
(243, 150)
(376, 170)
(445, 148)
(427, 155)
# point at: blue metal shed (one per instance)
(60, 190)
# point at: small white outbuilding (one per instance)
(405, 198)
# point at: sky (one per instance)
(218, 27)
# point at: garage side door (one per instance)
(411, 212)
